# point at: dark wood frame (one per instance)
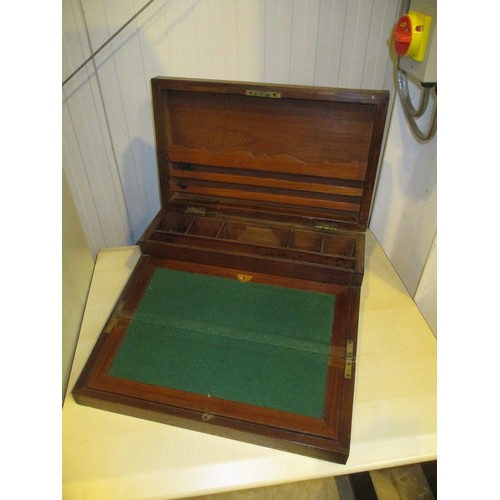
(326, 438)
(207, 250)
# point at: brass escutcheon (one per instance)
(244, 277)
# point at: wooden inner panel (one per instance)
(205, 226)
(293, 130)
(258, 235)
(300, 154)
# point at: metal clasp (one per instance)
(263, 93)
(201, 211)
(349, 359)
(325, 228)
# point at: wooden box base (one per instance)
(282, 386)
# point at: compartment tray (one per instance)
(287, 243)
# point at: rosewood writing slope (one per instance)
(240, 317)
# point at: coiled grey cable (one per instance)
(411, 113)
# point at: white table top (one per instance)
(111, 456)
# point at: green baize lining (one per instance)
(248, 342)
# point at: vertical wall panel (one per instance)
(278, 40)
(230, 30)
(173, 25)
(92, 162)
(217, 39)
(155, 25)
(304, 41)
(82, 191)
(87, 155)
(330, 34)
(249, 39)
(383, 19)
(188, 36)
(122, 81)
(354, 42)
(75, 50)
(201, 13)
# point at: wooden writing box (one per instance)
(240, 318)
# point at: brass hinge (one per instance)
(325, 227)
(349, 359)
(206, 417)
(115, 316)
(201, 211)
(263, 93)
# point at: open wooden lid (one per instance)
(279, 152)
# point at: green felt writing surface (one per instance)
(247, 342)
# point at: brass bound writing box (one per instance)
(240, 318)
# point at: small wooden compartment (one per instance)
(240, 318)
(306, 240)
(255, 234)
(175, 223)
(205, 227)
(338, 245)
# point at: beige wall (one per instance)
(77, 267)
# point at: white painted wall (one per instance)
(108, 143)
(404, 214)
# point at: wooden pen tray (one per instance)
(280, 242)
